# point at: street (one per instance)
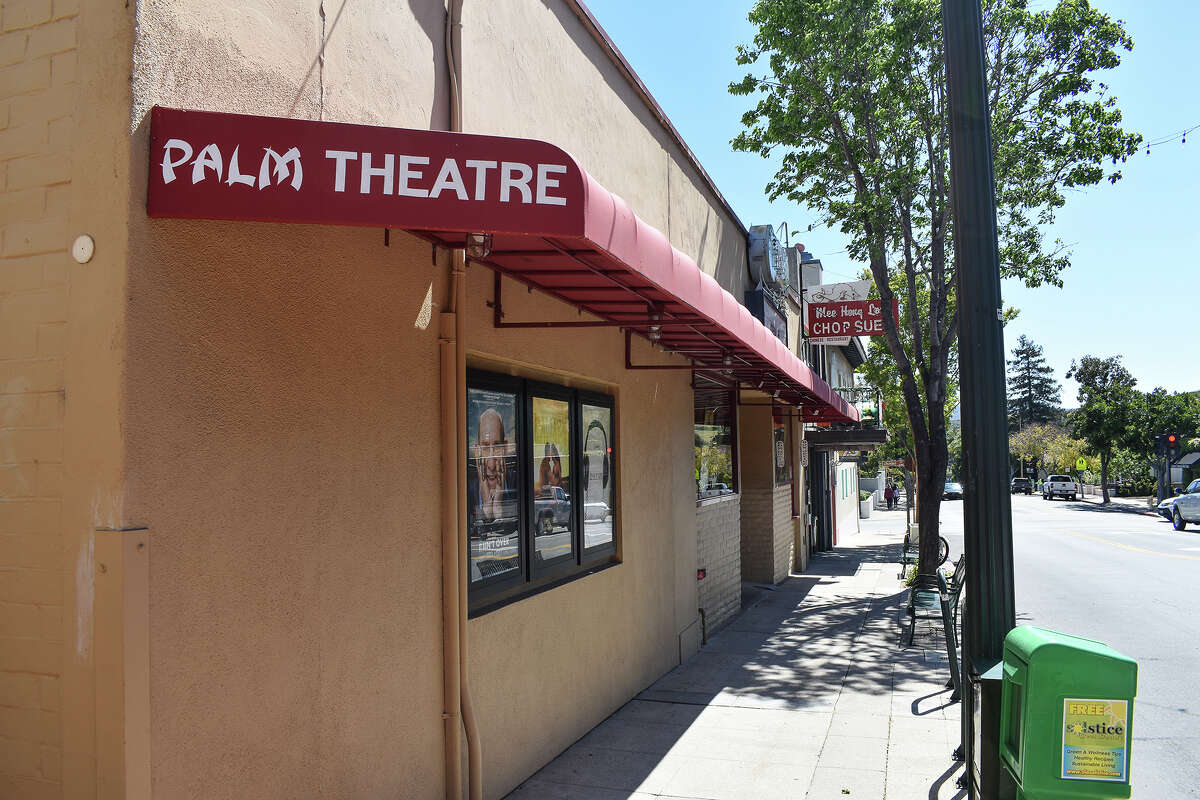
(1125, 579)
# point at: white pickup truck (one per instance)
(1060, 486)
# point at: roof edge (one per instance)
(614, 54)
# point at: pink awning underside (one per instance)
(626, 272)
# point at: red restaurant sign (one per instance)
(848, 318)
(232, 166)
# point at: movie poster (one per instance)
(493, 483)
(550, 476)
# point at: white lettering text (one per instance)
(515, 175)
(339, 169)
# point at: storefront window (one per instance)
(493, 485)
(716, 454)
(531, 526)
(553, 502)
(596, 476)
(783, 449)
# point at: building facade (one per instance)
(296, 492)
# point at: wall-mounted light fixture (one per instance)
(479, 245)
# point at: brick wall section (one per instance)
(783, 533)
(718, 550)
(37, 96)
(768, 538)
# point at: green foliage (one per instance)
(852, 93)
(1033, 394)
(863, 494)
(1050, 447)
(1107, 407)
(1159, 411)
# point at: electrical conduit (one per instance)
(456, 687)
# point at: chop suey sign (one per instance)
(848, 318)
(837, 311)
(237, 167)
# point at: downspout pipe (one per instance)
(454, 430)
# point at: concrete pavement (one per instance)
(807, 694)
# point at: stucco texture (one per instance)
(280, 399)
(280, 420)
(546, 669)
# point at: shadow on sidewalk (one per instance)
(752, 714)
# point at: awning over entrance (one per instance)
(520, 206)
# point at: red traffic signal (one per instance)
(1172, 446)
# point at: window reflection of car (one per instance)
(552, 509)
(952, 491)
(596, 512)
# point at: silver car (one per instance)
(1187, 506)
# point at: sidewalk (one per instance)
(1127, 505)
(805, 694)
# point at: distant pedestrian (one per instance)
(889, 495)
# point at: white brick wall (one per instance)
(37, 93)
(718, 550)
(767, 534)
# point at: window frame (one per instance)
(503, 383)
(780, 417)
(553, 567)
(597, 400)
(732, 401)
(489, 594)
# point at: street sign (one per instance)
(1081, 463)
(848, 318)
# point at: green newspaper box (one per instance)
(1066, 716)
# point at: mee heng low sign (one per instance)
(847, 318)
(238, 167)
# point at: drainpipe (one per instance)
(451, 666)
(454, 437)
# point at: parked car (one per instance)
(1187, 506)
(1060, 486)
(552, 509)
(952, 491)
(596, 512)
(1021, 485)
(1167, 507)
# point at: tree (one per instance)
(1106, 407)
(1160, 411)
(1033, 394)
(854, 96)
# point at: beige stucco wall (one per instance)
(531, 69)
(281, 400)
(64, 70)
(546, 669)
(220, 496)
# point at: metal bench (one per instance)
(933, 596)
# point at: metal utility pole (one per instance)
(990, 613)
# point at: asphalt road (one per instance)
(1128, 580)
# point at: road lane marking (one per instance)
(1131, 547)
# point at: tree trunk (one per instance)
(1104, 476)
(931, 481)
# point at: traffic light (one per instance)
(1172, 446)
(1160, 445)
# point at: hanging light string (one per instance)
(1181, 136)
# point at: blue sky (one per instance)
(1134, 286)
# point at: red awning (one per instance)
(552, 227)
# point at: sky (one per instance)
(1134, 284)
